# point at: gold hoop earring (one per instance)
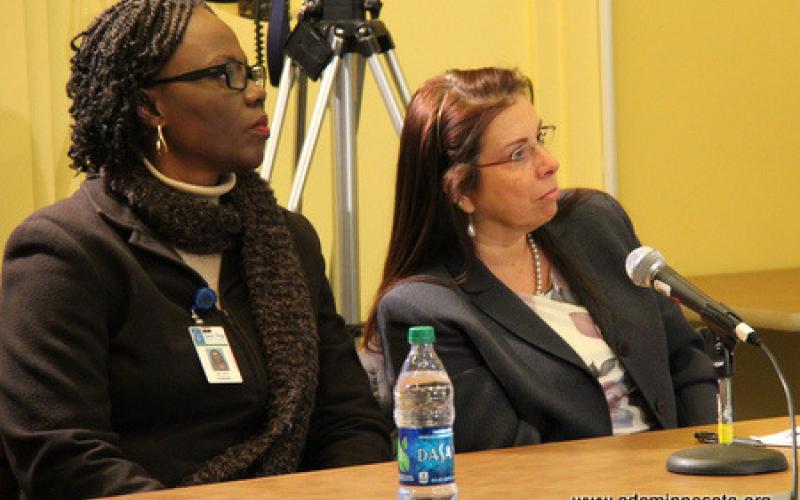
(161, 143)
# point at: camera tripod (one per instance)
(334, 38)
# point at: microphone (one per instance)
(647, 268)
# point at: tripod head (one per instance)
(335, 10)
(310, 46)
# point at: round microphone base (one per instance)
(726, 460)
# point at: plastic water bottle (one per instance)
(423, 412)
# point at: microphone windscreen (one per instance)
(641, 263)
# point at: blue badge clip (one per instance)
(203, 299)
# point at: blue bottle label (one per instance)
(425, 456)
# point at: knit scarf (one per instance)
(279, 302)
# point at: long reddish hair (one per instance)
(439, 146)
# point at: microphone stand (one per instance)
(725, 457)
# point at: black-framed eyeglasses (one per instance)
(520, 156)
(236, 75)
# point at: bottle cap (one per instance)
(421, 335)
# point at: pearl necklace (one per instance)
(537, 263)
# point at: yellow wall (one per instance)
(566, 73)
(708, 138)
(15, 135)
(33, 103)
(706, 104)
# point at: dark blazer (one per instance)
(102, 392)
(515, 380)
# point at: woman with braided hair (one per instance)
(172, 247)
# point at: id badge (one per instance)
(215, 354)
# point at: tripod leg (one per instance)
(358, 88)
(395, 113)
(284, 88)
(301, 84)
(300, 125)
(398, 77)
(366, 35)
(310, 142)
(344, 113)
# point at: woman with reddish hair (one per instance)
(542, 332)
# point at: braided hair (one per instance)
(121, 50)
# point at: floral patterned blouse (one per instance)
(560, 309)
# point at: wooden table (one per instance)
(622, 465)
(766, 300)
(769, 301)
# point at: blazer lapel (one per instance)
(123, 217)
(568, 244)
(614, 332)
(504, 307)
(631, 333)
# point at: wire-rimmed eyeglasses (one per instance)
(521, 155)
(236, 75)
